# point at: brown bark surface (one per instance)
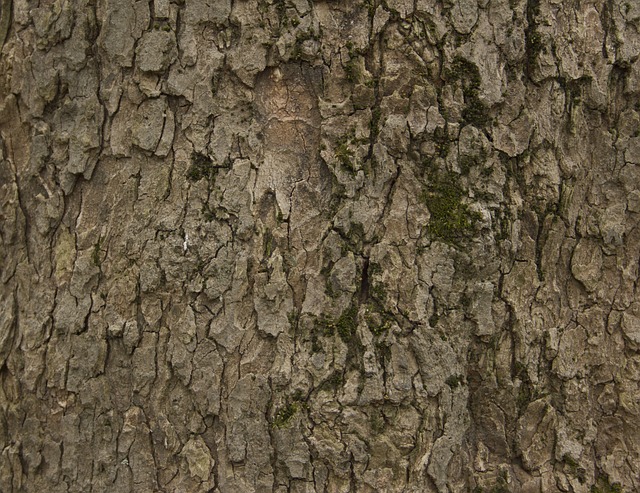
(295, 246)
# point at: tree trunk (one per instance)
(296, 246)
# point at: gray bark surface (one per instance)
(294, 246)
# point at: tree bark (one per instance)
(296, 246)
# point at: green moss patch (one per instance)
(345, 326)
(203, 167)
(451, 219)
(284, 415)
(603, 485)
(465, 71)
(347, 323)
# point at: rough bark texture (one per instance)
(295, 246)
